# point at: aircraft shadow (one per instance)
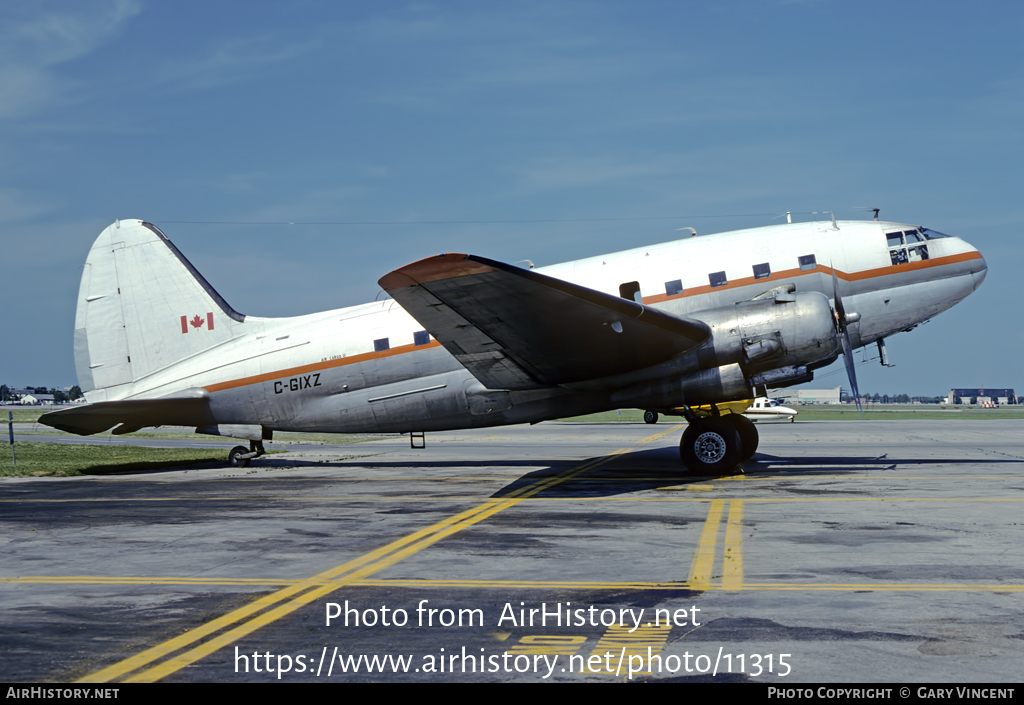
(644, 470)
(660, 469)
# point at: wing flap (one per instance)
(513, 328)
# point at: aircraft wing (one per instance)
(513, 328)
(130, 415)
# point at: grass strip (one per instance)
(68, 460)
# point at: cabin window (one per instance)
(421, 337)
(808, 262)
(894, 239)
(381, 345)
(717, 279)
(898, 255)
(674, 287)
(630, 291)
(762, 271)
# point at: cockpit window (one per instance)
(898, 254)
(932, 234)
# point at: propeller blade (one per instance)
(840, 311)
(850, 371)
(842, 321)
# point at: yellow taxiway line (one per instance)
(228, 628)
(517, 584)
(172, 655)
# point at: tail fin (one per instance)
(141, 307)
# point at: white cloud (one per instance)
(16, 206)
(229, 61)
(36, 38)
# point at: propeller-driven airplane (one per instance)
(759, 409)
(470, 342)
(765, 409)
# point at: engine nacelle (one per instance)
(767, 334)
(769, 341)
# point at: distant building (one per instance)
(809, 396)
(33, 398)
(981, 396)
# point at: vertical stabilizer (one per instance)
(141, 307)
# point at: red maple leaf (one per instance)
(197, 322)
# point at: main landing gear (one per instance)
(239, 457)
(715, 445)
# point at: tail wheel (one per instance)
(235, 461)
(749, 437)
(710, 447)
(650, 417)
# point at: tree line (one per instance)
(60, 396)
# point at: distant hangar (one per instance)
(981, 396)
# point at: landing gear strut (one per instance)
(239, 457)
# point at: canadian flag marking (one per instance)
(197, 321)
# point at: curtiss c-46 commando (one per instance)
(471, 342)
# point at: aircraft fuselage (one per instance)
(372, 368)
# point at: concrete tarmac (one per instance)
(847, 552)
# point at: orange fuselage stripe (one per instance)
(315, 366)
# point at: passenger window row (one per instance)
(420, 337)
(717, 279)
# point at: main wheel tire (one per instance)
(650, 417)
(749, 437)
(710, 447)
(235, 461)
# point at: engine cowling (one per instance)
(770, 341)
(767, 334)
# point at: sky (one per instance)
(549, 131)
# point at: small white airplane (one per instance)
(469, 342)
(765, 409)
(759, 409)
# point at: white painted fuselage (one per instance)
(372, 367)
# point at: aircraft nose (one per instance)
(980, 270)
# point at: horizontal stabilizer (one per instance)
(130, 415)
(513, 328)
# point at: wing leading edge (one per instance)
(513, 328)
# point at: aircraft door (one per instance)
(259, 396)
